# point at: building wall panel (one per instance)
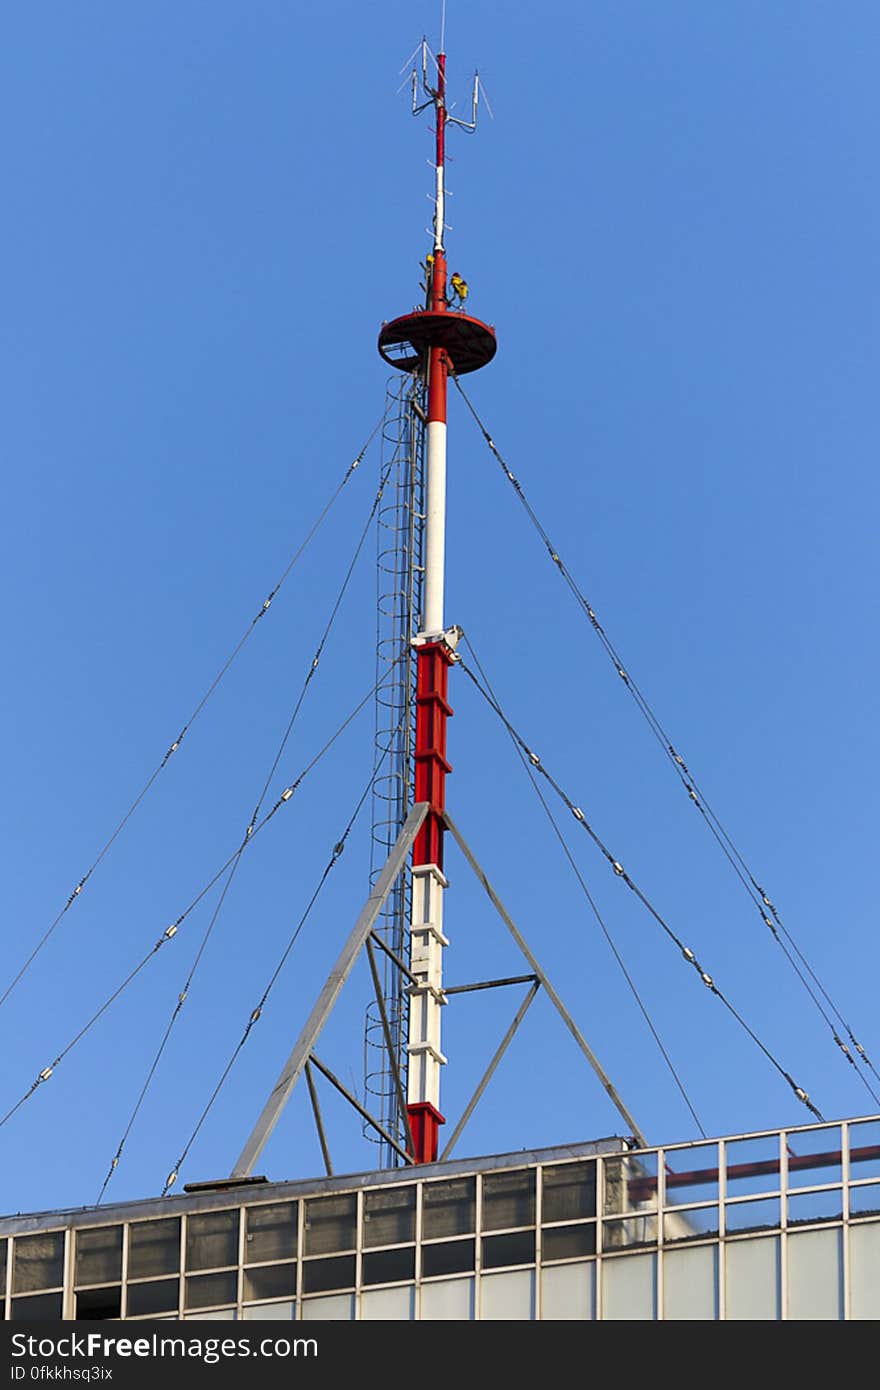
(568, 1293)
(629, 1288)
(752, 1272)
(690, 1284)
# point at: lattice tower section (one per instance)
(399, 569)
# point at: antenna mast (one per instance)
(426, 344)
(431, 342)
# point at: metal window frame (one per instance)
(539, 1164)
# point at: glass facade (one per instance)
(784, 1225)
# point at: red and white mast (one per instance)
(435, 480)
(430, 342)
(435, 341)
(427, 941)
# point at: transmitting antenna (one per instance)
(401, 925)
(432, 341)
(428, 343)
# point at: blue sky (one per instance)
(673, 224)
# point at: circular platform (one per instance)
(469, 343)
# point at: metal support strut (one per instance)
(303, 1048)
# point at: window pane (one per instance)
(630, 1184)
(565, 1242)
(42, 1307)
(271, 1232)
(641, 1181)
(153, 1248)
(518, 1248)
(568, 1192)
(752, 1166)
(99, 1255)
(694, 1224)
(865, 1201)
(390, 1216)
(614, 1194)
(212, 1239)
(815, 1206)
(39, 1262)
(752, 1216)
(207, 1290)
(448, 1208)
(450, 1257)
(159, 1297)
(508, 1199)
(814, 1157)
(692, 1175)
(271, 1281)
(319, 1275)
(97, 1305)
(389, 1266)
(330, 1224)
(3, 1246)
(864, 1150)
(634, 1230)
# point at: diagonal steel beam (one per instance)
(389, 1045)
(293, 1067)
(319, 1121)
(566, 1017)
(362, 1111)
(394, 957)
(490, 1070)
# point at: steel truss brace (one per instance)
(305, 1043)
(542, 978)
(490, 1070)
(319, 1120)
(364, 1113)
(392, 1055)
(315, 1061)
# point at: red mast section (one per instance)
(435, 341)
